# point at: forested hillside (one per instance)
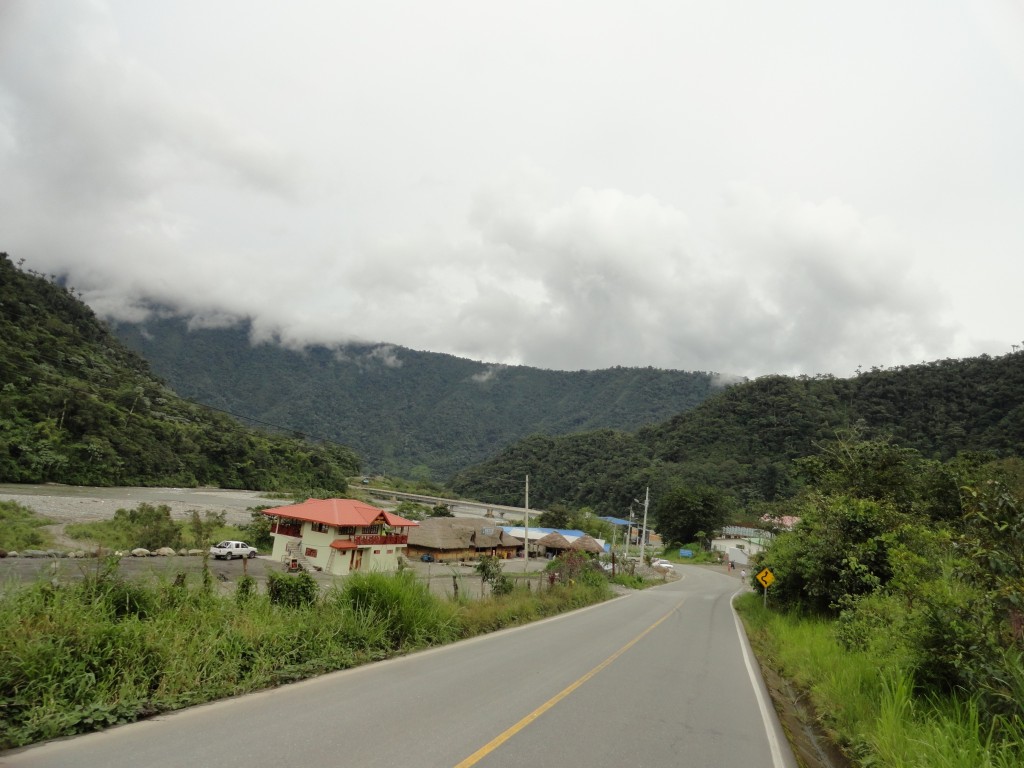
(77, 406)
(743, 439)
(417, 414)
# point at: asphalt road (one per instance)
(657, 678)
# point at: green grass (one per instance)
(20, 528)
(103, 650)
(868, 706)
(114, 534)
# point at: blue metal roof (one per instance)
(616, 520)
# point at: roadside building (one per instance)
(450, 539)
(338, 536)
(553, 543)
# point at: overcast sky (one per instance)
(740, 187)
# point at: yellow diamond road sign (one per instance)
(765, 578)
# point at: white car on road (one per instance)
(232, 549)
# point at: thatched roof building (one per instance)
(461, 538)
(554, 541)
(587, 544)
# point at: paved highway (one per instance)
(657, 678)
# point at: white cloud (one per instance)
(801, 190)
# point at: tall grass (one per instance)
(865, 700)
(21, 528)
(84, 655)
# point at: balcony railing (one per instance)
(286, 529)
(389, 538)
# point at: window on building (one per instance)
(346, 530)
(321, 528)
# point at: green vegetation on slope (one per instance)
(20, 528)
(422, 415)
(78, 407)
(744, 440)
(903, 584)
(142, 647)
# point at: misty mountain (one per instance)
(745, 438)
(421, 415)
(78, 407)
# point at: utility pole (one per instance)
(526, 523)
(629, 530)
(643, 539)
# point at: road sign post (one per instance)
(765, 579)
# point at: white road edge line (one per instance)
(756, 684)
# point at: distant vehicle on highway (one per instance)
(232, 549)
(427, 558)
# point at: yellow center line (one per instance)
(501, 738)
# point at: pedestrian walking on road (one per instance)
(743, 574)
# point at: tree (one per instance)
(489, 569)
(839, 549)
(685, 510)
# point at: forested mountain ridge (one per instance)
(422, 415)
(77, 406)
(744, 438)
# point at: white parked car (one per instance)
(660, 563)
(232, 549)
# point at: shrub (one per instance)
(292, 591)
(245, 590)
(410, 614)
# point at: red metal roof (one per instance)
(339, 512)
(342, 544)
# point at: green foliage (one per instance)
(441, 510)
(83, 656)
(837, 550)
(866, 697)
(20, 528)
(575, 567)
(489, 568)
(454, 412)
(298, 590)
(409, 616)
(204, 527)
(744, 440)
(77, 407)
(562, 517)
(257, 530)
(685, 510)
(410, 510)
(145, 526)
(150, 527)
(601, 470)
(245, 590)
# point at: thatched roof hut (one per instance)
(554, 541)
(447, 538)
(587, 544)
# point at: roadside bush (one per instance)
(245, 589)
(145, 526)
(410, 614)
(293, 591)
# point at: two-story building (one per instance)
(338, 536)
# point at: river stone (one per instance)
(165, 552)
(140, 552)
